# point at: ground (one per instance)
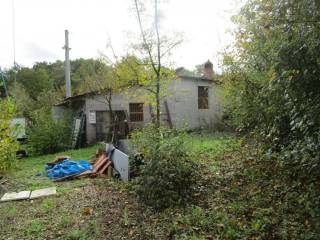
(234, 200)
(86, 208)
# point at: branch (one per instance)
(157, 33)
(171, 47)
(144, 37)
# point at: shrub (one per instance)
(8, 142)
(47, 135)
(272, 82)
(168, 175)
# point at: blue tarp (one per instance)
(67, 168)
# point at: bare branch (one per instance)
(144, 37)
(173, 45)
(157, 33)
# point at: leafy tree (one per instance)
(34, 81)
(271, 77)
(8, 141)
(103, 80)
(47, 135)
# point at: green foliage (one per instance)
(8, 142)
(273, 91)
(47, 135)
(272, 80)
(169, 175)
(196, 221)
(34, 228)
(34, 81)
(43, 84)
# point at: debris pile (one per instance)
(64, 168)
(102, 164)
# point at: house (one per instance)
(192, 102)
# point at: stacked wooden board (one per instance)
(99, 167)
(102, 164)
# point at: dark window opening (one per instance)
(136, 112)
(203, 101)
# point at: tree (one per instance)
(105, 80)
(154, 48)
(8, 141)
(272, 78)
(34, 81)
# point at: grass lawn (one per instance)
(88, 208)
(31, 174)
(235, 200)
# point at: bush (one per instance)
(8, 143)
(272, 82)
(47, 135)
(168, 175)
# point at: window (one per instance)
(136, 112)
(203, 102)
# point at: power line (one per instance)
(14, 49)
(13, 33)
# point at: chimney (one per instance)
(208, 70)
(67, 64)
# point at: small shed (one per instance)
(192, 102)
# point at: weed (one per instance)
(48, 205)
(34, 228)
(77, 234)
(125, 216)
(65, 220)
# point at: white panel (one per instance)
(15, 196)
(121, 164)
(92, 117)
(43, 192)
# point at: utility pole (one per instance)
(67, 64)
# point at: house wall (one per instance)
(183, 104)
(120, 101)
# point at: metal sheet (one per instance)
(121, 163)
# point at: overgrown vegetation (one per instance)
(8, 140)
(47, 135)
(168, 176)
(271, 77)
(79, 211)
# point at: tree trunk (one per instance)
(112, 120)
(158, 101)
(158, 72)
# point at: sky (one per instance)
(40, 24)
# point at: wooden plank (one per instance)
(101, 157)
(88, 172)
(110, 172)
(104, 168)
(65, 177)
(102, 162)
